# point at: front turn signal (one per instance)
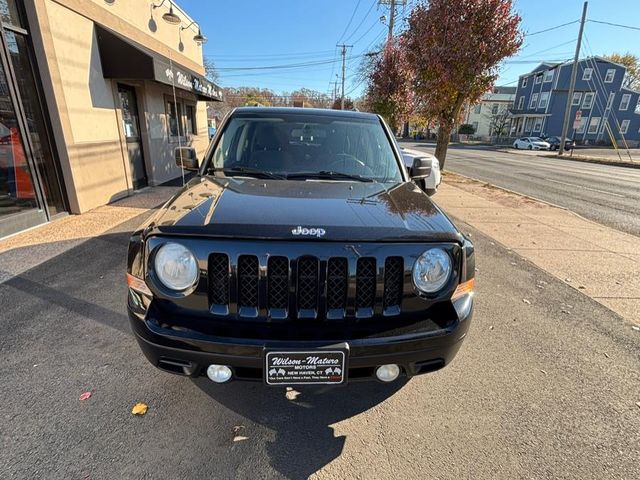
(138, 285)
(464, 288)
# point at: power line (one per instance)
(366, 15)
(350, 20)
(551, 28)
(277, 67)
(630, 27)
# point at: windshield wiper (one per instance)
(248, 171)
(329, 175)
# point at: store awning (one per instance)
(121, 58)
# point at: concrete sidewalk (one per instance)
(25, 250)
(601, 262)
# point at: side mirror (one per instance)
(186, 158)
(421, 168)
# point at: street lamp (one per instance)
(169, 17)
(198, 37)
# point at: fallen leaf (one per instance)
(543, 372)
(292, 394)
(638, 404)
(513, 263)
(636, 328)
(491, 327)
(606, 354)
(237, 428)
(240, 438)
(568, 280)
(565, 311)
(85, 395)
(526, 301)
(139, 408)
(581, 287)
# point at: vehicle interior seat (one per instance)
(268, 150)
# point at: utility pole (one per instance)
(344, 70)
(572, 83)
(392, 15)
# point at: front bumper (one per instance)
(189, 353)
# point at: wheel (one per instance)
(530, 147)
(515, 145)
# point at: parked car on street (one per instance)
(430, 183)
(301, 253)
(531, 143)
(554, 143)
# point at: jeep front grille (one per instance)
(305, 287)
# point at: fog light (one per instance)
(219, 373)
(388, 373)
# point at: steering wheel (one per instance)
(346, 163)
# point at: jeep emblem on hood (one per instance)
(315, 232)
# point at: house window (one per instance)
(608, 78)
(624, 126)
(534, 101)
(525, 80)
(548, 76)
(577, 96)
(520, 103)
(586, 74)
(637, 110)
(624, 103)
(610, 100)
(544, 100)
(587, 101)
(582, 123)
(478, 108)
(593, 125)
(528, 124)
(537, 126)
(538, 79)
(475, 127)
(494, 109)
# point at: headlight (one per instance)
(432, 270)
(176, 267)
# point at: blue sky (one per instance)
(265, 33)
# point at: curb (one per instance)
(615, 163)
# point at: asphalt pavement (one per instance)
(606, 194)
(535, 392)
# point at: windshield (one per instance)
(297, 144)
(536, 139)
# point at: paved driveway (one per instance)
(534, 392)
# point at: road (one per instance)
(534, 393)
(605, 194)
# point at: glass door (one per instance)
(131, 127)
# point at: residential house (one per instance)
(608, 112)
(490, 116)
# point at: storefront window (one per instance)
(9, 13)
(190, 119)
(40, 144)
(172, 118)
(16, 184)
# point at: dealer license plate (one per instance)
(305, 367)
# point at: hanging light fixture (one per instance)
(198, 37)
(169, 17)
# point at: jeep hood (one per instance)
(251, 208)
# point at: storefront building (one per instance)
(94, 97)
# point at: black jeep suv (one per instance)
(301, 252)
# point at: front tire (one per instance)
(515, 145)
(530, 147)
